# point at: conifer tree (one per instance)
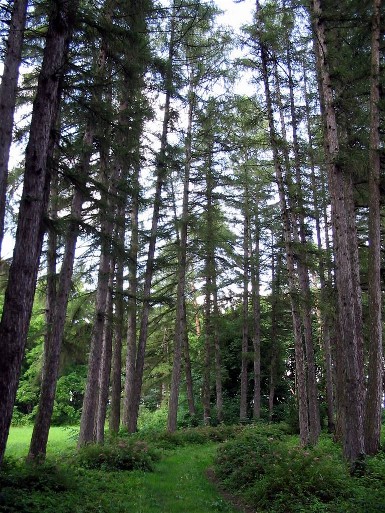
(23, 272)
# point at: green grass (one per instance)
(178, 484)
(61, 440)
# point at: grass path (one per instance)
(178, 485)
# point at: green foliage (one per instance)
(122, 454)
(69, 397)
(272, 473)
(152, 420)
(27, 487)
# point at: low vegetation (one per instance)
(261, 466)
(269, 471)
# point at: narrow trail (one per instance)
(180, 485)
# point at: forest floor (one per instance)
(180, 483)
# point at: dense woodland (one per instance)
(197, 217)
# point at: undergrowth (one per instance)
(272, 473)
(118, 455)
(188, 436)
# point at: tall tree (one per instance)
(161, 171)
(30, 231)
(349, 347)
(375, 364)
(8, 90)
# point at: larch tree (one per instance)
(375, 364)
(8, 92)
(349, 337)
(30, 231)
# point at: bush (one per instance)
(120, 455)
(164, 440)
(25, 487)
(272, 473)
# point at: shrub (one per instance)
(120, 455)
(34, 476)
(271, 473)
(164, 440)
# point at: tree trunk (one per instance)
(105, 368)
(30, 230)
(206, 378)
(180, 321)
(293, 281)
(187, 366)
(375, 365)
(348, 353)
(256, 306)
(217, 351)
(303, 272)
(326, 321)
(116, 366)
(8, 91)
(161, 174)
(54, 337)
(275, 290)
(128, 405)
(245, 310)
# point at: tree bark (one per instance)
(326, 321)
(303, 271)
(348, 354)
(187, 366)
(256, 306)
(54, 337)
(116, 365)
(245, 309)
(375, 364)
(8, 91)
(105, 368)
(30, 230)
(128, 405)
(180, 320)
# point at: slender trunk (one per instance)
(256, 306)
(161, 174)
(303, 272)
(8, 92)
(245, 310)
(206, 386)
(88, 421)
(54, 339)
(293, 285)
(128, 411)
(217, 351)
(187, 366)
(326, 321)
(30, 229)
(180, 321)
(116, 366)
(105, 368)
(375, 365)
(273, 332)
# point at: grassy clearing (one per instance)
(178, 484)
(61, 440)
